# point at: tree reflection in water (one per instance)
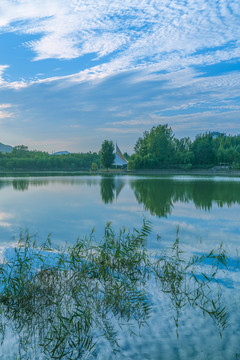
(107, 187)
(61, 302)
(20, 184)
(159, 195)
(110, 187)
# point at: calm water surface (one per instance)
(206, 209)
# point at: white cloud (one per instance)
(7, 84)
(161, 42)
(5, 113)
(5, 106)
(2, 69)
(143, 32)
(191, 123)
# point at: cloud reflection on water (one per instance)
(207, 210)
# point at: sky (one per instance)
(76, 72)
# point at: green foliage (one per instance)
(135, 162)
(202, 149)
(107, 155)
(150, 161)
(94, 167)
(236, 165)
(158, 148)
(20, 148)
(183, 153)
(63, 301)
(22, 159)
(161, 144)
(177, 276)
(187, 166)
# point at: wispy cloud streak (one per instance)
(133, 35)
(118, 67)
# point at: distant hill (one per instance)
(5, 148)
(62, 153)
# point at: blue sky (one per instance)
(76, 72)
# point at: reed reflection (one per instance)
(61, 303)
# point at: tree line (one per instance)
(156, 149)
(159, 148)
(23, 159)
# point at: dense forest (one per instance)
(23, 159)
(156, 149)
(159, 148)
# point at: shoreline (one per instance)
(186, 172)
(212, 172)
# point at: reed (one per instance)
(61, 302)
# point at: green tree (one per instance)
(183, 153)
(141, 146)
(150, 161)
(20, 148)
(94, 167)
(107, 155)
(161, 145)
(126, 155)
(155, 148)
(202, 147)
(135, 162)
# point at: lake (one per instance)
(207, 211)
